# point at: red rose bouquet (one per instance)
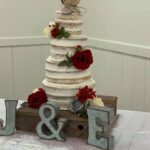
(81, 60)
(84, 97)
(85, 94)
(54, 32)
(58, 32)
(37, 98)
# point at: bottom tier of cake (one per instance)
(63, 94)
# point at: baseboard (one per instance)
(23, 41)
(100, 44)
(120, 47)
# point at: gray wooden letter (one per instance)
(49, 128)
(98, 123)
(9, 129)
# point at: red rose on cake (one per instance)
(54, 29)
(54, 32)
(37, 98)
(57, 31)
(83, 99)
(85, 94)
(82, 59)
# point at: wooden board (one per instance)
(27, 119)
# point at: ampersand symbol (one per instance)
(49, 128)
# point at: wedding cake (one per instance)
(68, 66)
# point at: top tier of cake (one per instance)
(72, 23)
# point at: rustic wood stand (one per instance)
(27, 119)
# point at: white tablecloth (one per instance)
(131, 131)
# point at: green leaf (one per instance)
(67, 56)
(61, 30)
(59, 36)
(66, 34)
(62, 33)
(69, 64)
(63, 63)
(25, 104)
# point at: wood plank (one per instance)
(6, 76)
(127, 82)
(97, 69)
(107, 71)
(27, 119)
(139, 84)
(33, 68)
(27, 70)
(114, 73)
(147, 86)
(20, 72)
(44, 54)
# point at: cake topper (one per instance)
(70, 2)
(71, 6)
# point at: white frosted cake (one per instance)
(63, 82)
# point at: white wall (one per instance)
(119, 20)
(119, 36)
(25, 17)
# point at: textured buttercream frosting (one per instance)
(63, 94)
(62, 82)
(72, 16)
(72, 42)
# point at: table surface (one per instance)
(131, 132)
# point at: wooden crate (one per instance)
(27, 119)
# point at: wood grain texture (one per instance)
(44, 53)
(6, 73)
(138, 82)
(27, 119)
(28, 69)
(127, 80)
(147, 86)
(107, 71)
